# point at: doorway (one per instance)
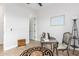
(33, 28)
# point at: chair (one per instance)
(43, 36)
(50, 38)
(65, 42)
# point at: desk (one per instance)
(51, 42)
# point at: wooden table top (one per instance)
(50, 41)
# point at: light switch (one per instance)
(11, 29)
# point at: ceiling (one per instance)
(35, 6)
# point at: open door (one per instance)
(33, 29)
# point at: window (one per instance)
(57, 20)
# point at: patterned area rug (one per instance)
(37, 51)
(42, 51)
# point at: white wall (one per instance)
(16, 17)
(44, 14)
(1, 23)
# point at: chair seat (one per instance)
(62, 46)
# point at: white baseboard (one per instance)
(37, 40)
(10, 47)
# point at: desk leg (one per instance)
(41, 44)
(51, 46)
(56, 52)
(53, 50)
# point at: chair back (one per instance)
(48, 35)
(43, 36)
(67, 38)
